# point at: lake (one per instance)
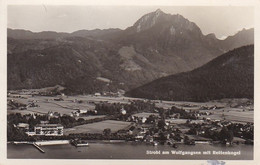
(129, 151)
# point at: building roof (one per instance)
(48, 125)
(22, 125)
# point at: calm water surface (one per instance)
(125, 151)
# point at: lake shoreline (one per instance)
(131, 150)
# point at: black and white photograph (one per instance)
(150, 82)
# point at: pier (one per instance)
(35, 145)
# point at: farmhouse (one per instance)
(97, 94)
(53, 114)
(123, 111)
(23, 126)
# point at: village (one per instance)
(80, 119)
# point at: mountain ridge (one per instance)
(230, 75)
(126, 57)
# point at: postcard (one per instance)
(129, 82)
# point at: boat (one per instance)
(79, 143)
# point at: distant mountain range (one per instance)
(230, 75)
(26, 34)
(157, 45)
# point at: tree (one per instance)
(161, 124)
(226, 135)
(54, 120)
(186, 140)
(177, 137)
(80, 120)
(162, 113)
(107, 132)
(162, 137)
(193, 131)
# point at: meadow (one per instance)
(231, 109)
(98, 127)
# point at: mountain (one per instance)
(243, 37)
(157, 45)
(171, 42)
(27, 35)
(230, 75)
(59, 62)
(96, 33)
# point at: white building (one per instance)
(97, 94)
(123, 111)
(48, 129)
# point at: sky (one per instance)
(222, 21)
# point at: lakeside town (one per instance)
(49, 118)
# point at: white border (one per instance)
(3, 75)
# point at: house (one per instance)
(149, 139)
(53, 114)
(144, 119)
(23, 126)
(123, 111)
(50, 114)
(140, 137)
(82, 111)
(74, 114)
(143, 130)
(97, 94)
(130, 132)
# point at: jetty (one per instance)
(37, 144)
(52, 142)
(38, 147)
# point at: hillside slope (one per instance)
(230, 75)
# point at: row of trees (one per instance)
(135, 106)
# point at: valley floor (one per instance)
(236, 110)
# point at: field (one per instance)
(90, 117)
(66, 106)
(98, 127)
(232, 114)
(237, 110)
(176, 121)
(145, 114)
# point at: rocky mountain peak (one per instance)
(149, 20)
(165, 21)
(159, 11)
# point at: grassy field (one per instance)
(232, 114)
(90, 117)
(49, 104)
(177, 121)
(70, 103)
(98, 127)
(145, 114)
